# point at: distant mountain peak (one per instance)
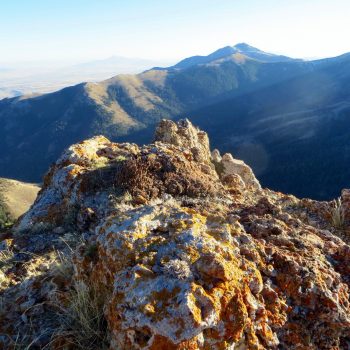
(257, 54)
(242, 48)
(245, 47)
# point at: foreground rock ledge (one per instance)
(191, 253)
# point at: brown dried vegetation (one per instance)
(151, 175)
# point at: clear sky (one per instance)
(169, 29)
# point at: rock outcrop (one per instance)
(189, 252)
(227, 166)
(185, 135)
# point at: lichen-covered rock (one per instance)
(179, 280)
(80, 180)
(227, 166)
(190, 253)
(345, 203)
(185, 135)
(236, 166)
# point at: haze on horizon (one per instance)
(83, 30)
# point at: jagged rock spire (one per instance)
(185, 135)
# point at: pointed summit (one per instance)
(227, 51)
(257, 54)
(244, 47)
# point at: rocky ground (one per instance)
(170, 246)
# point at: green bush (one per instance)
(5, 217)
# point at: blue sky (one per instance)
(92, 29)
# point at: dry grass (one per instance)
(5, 257)
(83, 324)
(81, 314)
(338, 214)
(73, 316)
(23, 343)
(62, 266)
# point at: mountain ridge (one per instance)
(126, 107)
(249, 52)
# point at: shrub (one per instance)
(153, 175)
(5, 218)
(148, 176)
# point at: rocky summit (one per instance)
(171, 246)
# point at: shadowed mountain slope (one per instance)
(294, 134)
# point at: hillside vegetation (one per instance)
(15, 199)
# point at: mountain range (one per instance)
(287, 118)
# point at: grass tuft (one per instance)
(338, 214)
(83, 324)
(6, 256)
